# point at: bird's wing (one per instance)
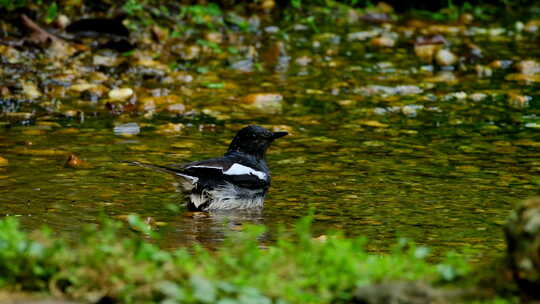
(228, 169)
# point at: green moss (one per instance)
(296, 269)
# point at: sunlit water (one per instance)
(441, 170)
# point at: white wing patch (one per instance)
(207, 167)
(237, 169)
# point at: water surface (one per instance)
(379, 146)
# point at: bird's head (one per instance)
(254, 140)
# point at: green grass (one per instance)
(296, 269)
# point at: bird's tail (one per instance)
(187, 182)
(153, 167)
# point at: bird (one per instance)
(238, 180)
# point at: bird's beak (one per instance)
(279, 134)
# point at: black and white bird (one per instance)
(238, 180)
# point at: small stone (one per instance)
(430, 40)
(97, 77)
(70, 113)
(321, 238)
(60, 50)
(120, 94)
(373, 123)
(445, 57)
(177, 108)
(31, 90)
(371, 90)
(170, 128)
(267, 5)
(271, 29)
(373, 143)
(384, 7)
(214, 37)
(81, 87)
(183, 145)
(411, 110)
(127, 129)
(383, 41)
(519, 26)
(314, 92)
(191, 52)
(109, 61)
(532, 26)
(62, 21)
(483, 71)
(528, 67)
(478, 97)
(270, 102)
(426, 52)
(159, 33)
(178, 76)
(146, 105)
(73, 161)
(303, 61)
(362, 36)
(3, 162)
(346, 102)
(158, 67)
(518, 101)
(375, 17)
(455, 95)
(496, 31)
(443, 76)
(466, 18)
(500, 64)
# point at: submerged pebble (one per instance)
(483, 71)
(361, 36)
(146, 105)
(170, 128)
(528, 67)
(109, 61)
(426, 52)
(445, 57)
(31, 90)
(120, 94)
(383, 41)
(373, 123)
(176, 108)
(81, 87)
(477, 97)
(270, 102)
(73, 161)
(3, 162)
(518, 101)
(455, 95)
(127, 129)
(532, 25)
(371, 90)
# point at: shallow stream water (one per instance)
(380, 145)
